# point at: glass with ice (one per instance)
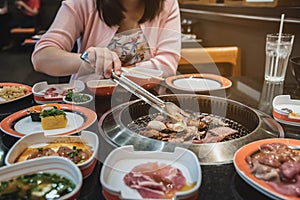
(278, 51)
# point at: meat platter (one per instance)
(272, 166)
(122, 125)
(130, 174)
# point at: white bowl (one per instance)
(144, 77)
(79, 103)
(40, 88)
(286, 110)
(54, 165)
(123, 159)
(39, 140)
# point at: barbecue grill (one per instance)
(120, 126)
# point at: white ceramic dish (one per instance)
(198, 83)
(20, 123)
(56, 165)
(40, 140)
(121, 161)
(27, 93)
(40, 88)
(144, 77)
(79, 103)
(286, 110)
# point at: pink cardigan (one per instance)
(79, 19)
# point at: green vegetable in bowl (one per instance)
(77, 97)
(38, 186)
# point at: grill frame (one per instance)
(113, 126)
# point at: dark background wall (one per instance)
(47, 13)
(216, 26)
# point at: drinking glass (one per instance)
(277, 56)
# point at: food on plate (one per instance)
(53, 118)
(157, 180)
(35, 111)
(38, 186)
(77, 97)
(279, 166)
(294, 115)
(75, 151)
(197, 128)
(55, 92)
(12, 92)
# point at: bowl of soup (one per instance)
(44, 178)
(82, 150)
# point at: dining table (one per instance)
(219, 181)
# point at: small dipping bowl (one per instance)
(103, 87)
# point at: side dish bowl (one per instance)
(78, 99)
(122, 160)
(39, 140)
(52, 165)
(147, 78)
(54, 93)
(103, 87)
(286, 110)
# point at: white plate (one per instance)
(20, 124)
(28, 91)
(27, 126)
(198, 82)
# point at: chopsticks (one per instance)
(132, 70)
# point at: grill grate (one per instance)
(140, 124)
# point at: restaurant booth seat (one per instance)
(192, 57)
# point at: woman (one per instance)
(114, 33)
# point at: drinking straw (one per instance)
(278, 44)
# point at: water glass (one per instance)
(277, 56)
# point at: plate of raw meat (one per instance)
(272, 166)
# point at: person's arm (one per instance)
(52, 54)
(56, 62)
(166, 41)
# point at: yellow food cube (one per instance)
(54, 122)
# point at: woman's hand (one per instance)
(104, 61)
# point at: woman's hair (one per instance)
(111, 10)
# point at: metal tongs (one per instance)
(168, 108)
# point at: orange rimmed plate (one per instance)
(243, 168)
(20, 124)
(198, 82)
(28, 91)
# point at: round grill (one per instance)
(121, 126)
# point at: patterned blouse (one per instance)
(131, 47)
